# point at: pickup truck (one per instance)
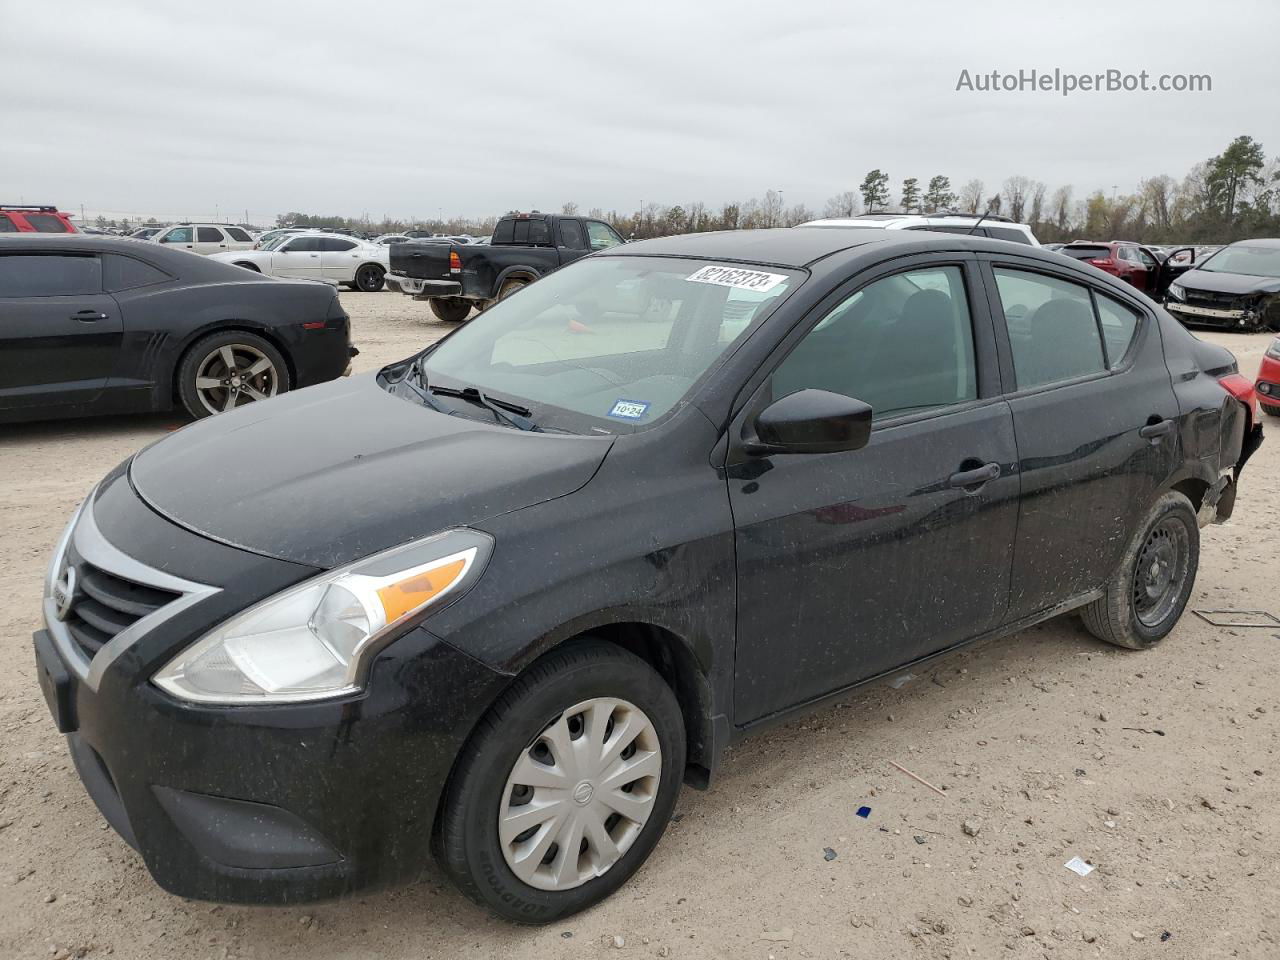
(454, 277)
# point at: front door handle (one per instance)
(974, 478)
(1154, 431)
(88, 316)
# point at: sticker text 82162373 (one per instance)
(756, 280)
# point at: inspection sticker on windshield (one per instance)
(737, 277)
(629, 410)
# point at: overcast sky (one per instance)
(474, 108)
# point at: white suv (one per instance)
(205, 238)
(998, 228)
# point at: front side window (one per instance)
(49, 275)
(900, 344)
(1052, 330)
(302, 245)
(611, 344)
(178, 235)
(601, 235)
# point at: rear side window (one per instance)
(532, 231)
(1007, 233)
(334, 245)
(1119, 324)
(209, 235)
(49, 275)
(504, 232)
(238, 235)
(1052, 330)
(571, 235)
(1084, 252)
(969, 231)
(125, 273)
(47, 223)
(901, 344)
(7, 225)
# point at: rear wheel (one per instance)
(1149, 590)
(450, 309)
(369, 278)
(228, 370)
(566, 786)
(509, 287)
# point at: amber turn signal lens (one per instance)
(411, 593)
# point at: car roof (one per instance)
(783, 246)
(1259, 242)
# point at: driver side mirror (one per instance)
(811, 421)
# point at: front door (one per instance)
(60, 334)
(299, 257)
(1095, 421)
(850, 564)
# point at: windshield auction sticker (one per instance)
(629, 410)
(737, 277)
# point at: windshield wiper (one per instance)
(417, 379)
(511, 413)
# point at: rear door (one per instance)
(60, 334)
(573, 240)
(210, 240)
(338, 259)
(238, 239)
(850, 564)
(1094, 412)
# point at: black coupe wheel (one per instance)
(566, 785)
(369, 278)
(1149, 590)
(450, 309)
(228, 370)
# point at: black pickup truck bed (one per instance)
(454, 277)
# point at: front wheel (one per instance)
(450, 309)
(566, 786)
(1150, 588)
(369, 278)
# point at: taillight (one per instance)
(1241, 388)
(1104, 262)
(455, 262)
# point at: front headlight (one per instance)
(1177, 292)
(312, 641)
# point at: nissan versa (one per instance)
(497, 602)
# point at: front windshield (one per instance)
(1242, 258)
(610, 342)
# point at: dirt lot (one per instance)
(1159, 767)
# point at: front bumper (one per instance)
(1210, 316)
(272, 804)
(424, 289)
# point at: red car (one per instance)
(1268, 385)
(23, 219)
(1131, 262)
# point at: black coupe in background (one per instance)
(96, 325)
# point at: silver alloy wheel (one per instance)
(580, 794)
(235, 374)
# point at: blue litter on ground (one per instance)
(864, 812)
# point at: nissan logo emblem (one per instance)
(64, 591)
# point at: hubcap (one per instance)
(234, 375)
(580, 794)
(1160, 572)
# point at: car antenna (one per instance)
(977, 224)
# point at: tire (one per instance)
(207, 360)
(369, 278)
(450, 309)
(509, 287)
(1269, 410)
(1168, 541)
(484, 785)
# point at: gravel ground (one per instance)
(1159, 767)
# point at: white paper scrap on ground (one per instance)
(1079, 866)
(901, 680)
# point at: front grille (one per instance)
(1219, 301)
(104, 604)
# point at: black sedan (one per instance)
(496, 603)
(97, 325)
(1237, 287)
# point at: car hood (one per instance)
(330, 474)
(1215, 282)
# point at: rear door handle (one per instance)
(974, 478)
(1153, 431)
(88, 316)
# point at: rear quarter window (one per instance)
(238, 235)
(1007, 233)
(125, 273)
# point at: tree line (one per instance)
(1229, 196)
